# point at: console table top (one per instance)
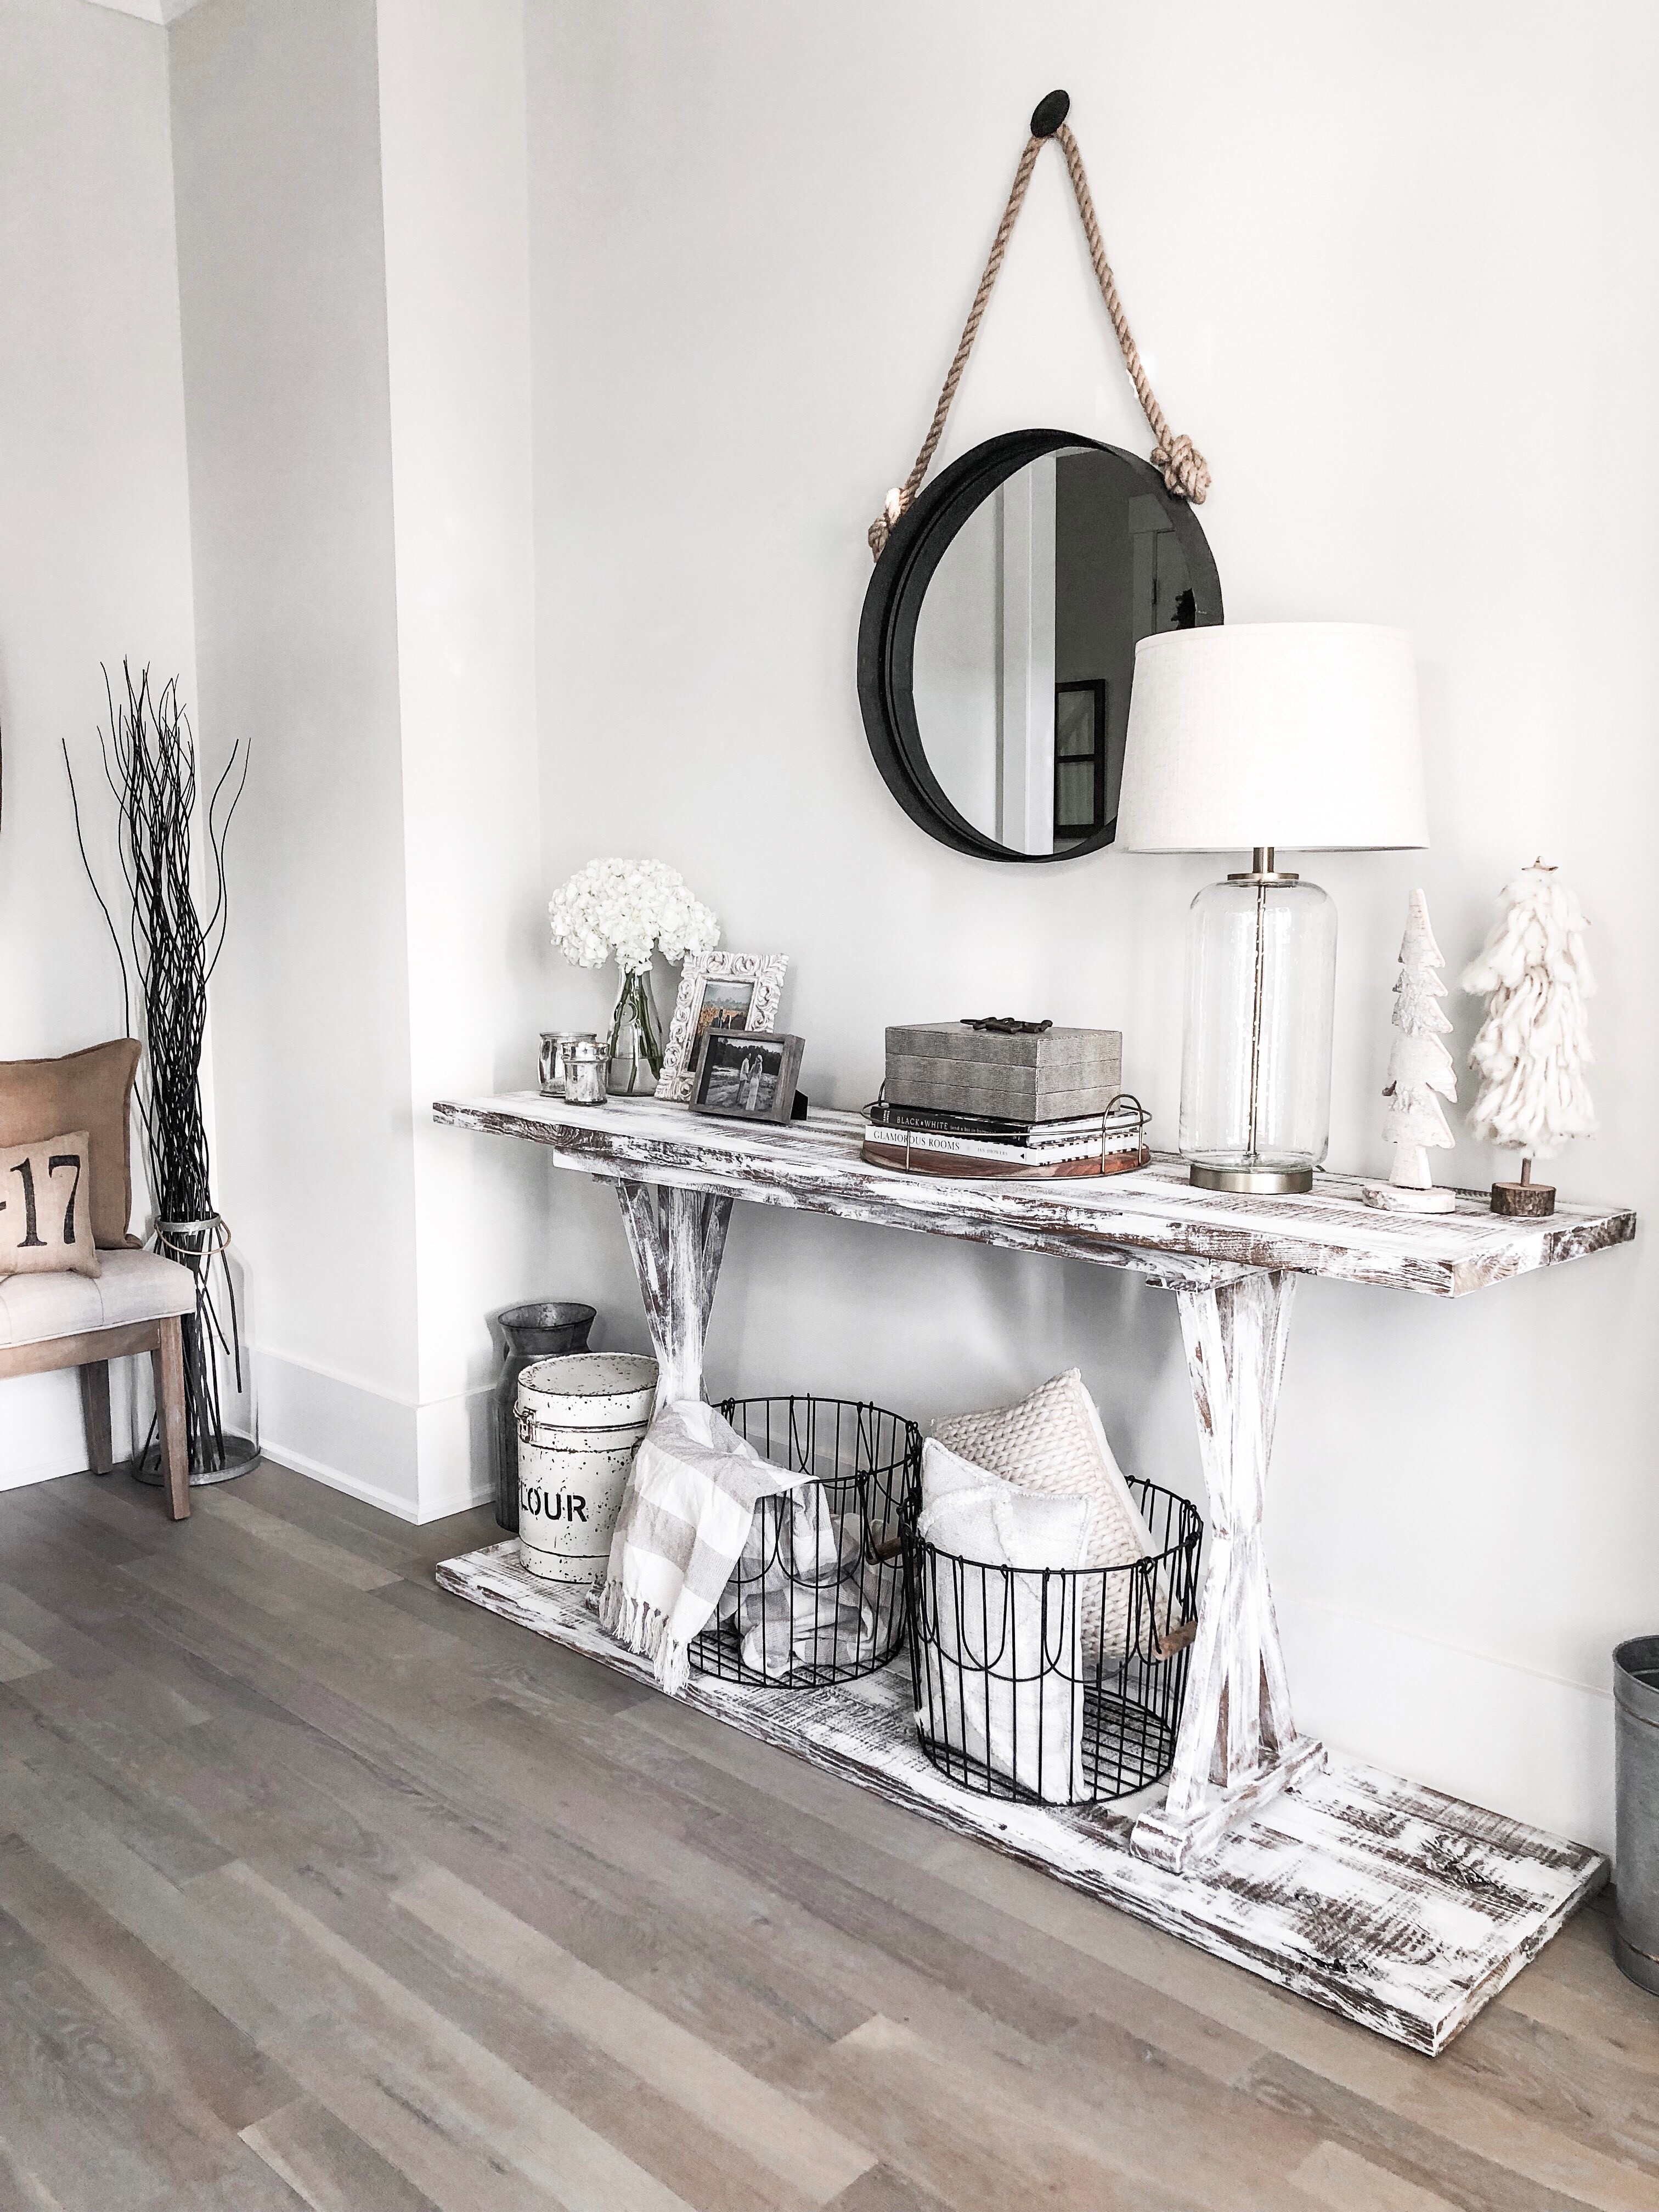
(1151, 1220)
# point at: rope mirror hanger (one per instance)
(1186, 472)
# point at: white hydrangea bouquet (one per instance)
(626, 911)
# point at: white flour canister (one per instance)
(581, 1418)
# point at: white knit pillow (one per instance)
(1053, 1441)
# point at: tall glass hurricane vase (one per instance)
(635, 1037)
(221, 1408)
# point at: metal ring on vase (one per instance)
(222, 1416)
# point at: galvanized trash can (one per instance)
(542, 1330)
(580, 1417)
(1636, 1762)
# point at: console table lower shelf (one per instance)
(1396, 1906)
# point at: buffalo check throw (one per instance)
(686, 1517)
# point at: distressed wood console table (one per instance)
(1398, 1907)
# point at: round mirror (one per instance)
(998, 642)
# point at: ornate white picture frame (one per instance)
(723, 990)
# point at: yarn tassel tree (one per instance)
(1533, 1047)
(148, 758)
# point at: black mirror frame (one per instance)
(892, 606)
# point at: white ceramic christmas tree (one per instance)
(1533, 1046)
(1420, 1074)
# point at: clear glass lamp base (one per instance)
(1256, 1062)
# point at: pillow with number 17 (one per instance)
(46, 1207)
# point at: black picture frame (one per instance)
(725, 1053)
(892, 605)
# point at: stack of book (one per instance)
(931, 1140)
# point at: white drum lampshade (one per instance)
(1253, 738)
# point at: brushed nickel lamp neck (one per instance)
(1262, 871)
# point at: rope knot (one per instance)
(881, 528)
(1185, 468)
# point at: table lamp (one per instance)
(1258, 737)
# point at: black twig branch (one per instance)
(148, 753)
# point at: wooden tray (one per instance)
(916, 1159)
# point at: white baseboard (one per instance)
(42, 1432)
(1495, 1733)
(454, 1436)
(420, 1462)
(335, 1478)
(46, 1470)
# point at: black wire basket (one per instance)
(818, 1595)
(1054, 1685)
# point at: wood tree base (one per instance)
(1526, 1201)
(1382, 1900)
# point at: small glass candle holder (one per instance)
(557, 1065)
(588, 1085)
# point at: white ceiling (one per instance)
(150, 11)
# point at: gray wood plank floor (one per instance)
(318, 1886)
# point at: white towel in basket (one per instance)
(686, 1515)
(800, 1596)
(1003, 1664)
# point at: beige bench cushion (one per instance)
(133, 1286)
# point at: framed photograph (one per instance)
(748, 1074)
(718, 991)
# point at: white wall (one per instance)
(95, 544)
(352, 202)
(458, 312)
(1392, 271)
(282, 285)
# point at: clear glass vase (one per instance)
(635, 1037)
(221, 1412)
(1255, 1063)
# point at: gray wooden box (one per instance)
(1048, 1077)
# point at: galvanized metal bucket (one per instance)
(580, 1416)
(1636, 1755)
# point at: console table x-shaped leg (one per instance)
(677, 1238)
(1238, 1745)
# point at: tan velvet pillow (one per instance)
(90, 1090)
(45, 1223)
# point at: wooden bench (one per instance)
(81, 1321)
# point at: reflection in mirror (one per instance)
(1025, 646)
